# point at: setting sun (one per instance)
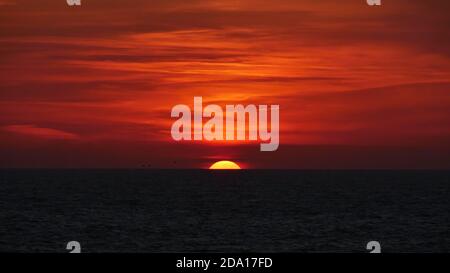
(224, 165)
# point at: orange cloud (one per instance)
(342, 72)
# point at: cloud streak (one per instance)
(40, 132)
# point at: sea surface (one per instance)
(224, 211)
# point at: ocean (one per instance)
(146, 210)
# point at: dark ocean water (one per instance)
(258, 211)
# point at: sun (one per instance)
(224, 165)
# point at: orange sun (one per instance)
(224, 165)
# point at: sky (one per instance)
(93, 86)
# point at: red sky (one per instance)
(92, 86)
